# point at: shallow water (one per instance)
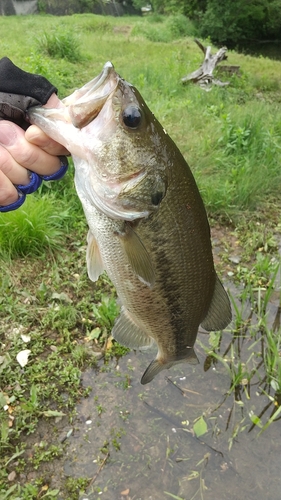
(159, 454)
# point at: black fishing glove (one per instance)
(19, 91)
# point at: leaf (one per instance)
(274, 384)
(52, 493)
(15, 455)
(4, 399)
(53, 413)
(109, 343)
(22, 357)
(256, 420)
(200, 427)
(94, 334)
(10, 490)
(61, 296)
(270, 420)
(173, 496)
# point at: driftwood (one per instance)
(204, 75)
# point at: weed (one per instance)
(45, 453)
(62, 316)
(272, 360)
(63, 44)
(106, 311)
(75, 486)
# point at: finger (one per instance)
(8, 192)
(11, 169)
(28, 155)
(36, 136)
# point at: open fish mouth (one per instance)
(85, 103)
(90, 110)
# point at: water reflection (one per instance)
(264, 49)
(138, 443)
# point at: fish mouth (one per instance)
(86, 103)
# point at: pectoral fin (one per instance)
(219, 313)
(93, 257)
(127, 333)
(137, 255)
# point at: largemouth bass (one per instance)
(148, 227)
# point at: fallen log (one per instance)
(204, 75)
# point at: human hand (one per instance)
(26, 158)
(23, 153)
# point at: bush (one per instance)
(171, 28)
(180, 26)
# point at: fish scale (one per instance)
(148, 227)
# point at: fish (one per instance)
(148, 227)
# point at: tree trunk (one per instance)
(204, 75)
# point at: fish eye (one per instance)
(132, 116)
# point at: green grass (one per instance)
(231, 138)
(34, 228)
(64, 44)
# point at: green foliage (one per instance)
(60, 75)
(273, 20)
(272, 360)
(173, 6)
(106, 312)
(165, 29)
(246, 141)
(233, 23)
(75, 486)
(180, 26)
(63, 44)
(35, 227)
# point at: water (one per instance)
(159, 454)
(272, 50)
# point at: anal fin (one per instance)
(219, 313)
(128, 333)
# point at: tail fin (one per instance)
(157, 366)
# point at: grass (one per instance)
(253, 356)
(231, 139)
(34, 228)
(64, 45)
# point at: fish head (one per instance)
(132, 159)
(123, 149)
